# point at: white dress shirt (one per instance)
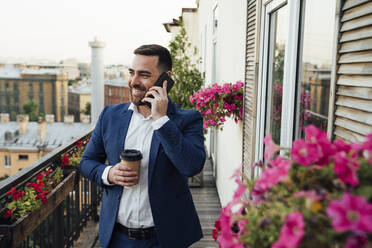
(134, 208)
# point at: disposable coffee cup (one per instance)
(132, 158)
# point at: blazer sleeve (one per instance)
(92, 163)
(184, 148)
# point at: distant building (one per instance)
(23, 142)
(116, 91)
(79, 95)
(45, 86)
(84, 69)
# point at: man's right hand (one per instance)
(122, 175)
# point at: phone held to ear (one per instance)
(164, 76)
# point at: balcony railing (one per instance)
(64, 220)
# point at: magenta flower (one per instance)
(319, 138)
(346, 168)
(270, 147)
(356, 241)
(291, 232)
(242, 187)
(352, 213)
(227, 239)
(272, 176)
(304, 153)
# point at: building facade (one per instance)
(116, 91)
(23, 142)
(79, 97)
(47, 89)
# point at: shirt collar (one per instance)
(135, 110)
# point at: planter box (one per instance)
(12, 235)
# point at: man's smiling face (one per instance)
(143, 74)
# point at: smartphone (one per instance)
(164, 76)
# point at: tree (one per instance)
(31, 109)
(86, 111)
(187, 77)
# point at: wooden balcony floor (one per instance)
(207, 204)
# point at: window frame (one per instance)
(291, 72)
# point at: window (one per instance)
(22, 157)
(7, 161)
(277, 45)
(314, 77)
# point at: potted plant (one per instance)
(218, 102)
(30, 205)
(319, 195)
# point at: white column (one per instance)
(97, 74)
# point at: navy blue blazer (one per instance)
(177, 152)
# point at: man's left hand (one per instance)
(159, 104)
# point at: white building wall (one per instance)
(230, 67)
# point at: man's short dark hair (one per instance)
(165, 59)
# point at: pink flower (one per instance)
(346, 168)
(319, 138)
(356, 241)
(242, 187)
(350, 213)
(222, 119)
(312, 195)
(191, 99)
(227, 238)
(340, 145)
(304, 153)
(270, 147)
(241, 112)
(272, 176)
(208, 112)
(291, 232)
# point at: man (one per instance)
(158, 211)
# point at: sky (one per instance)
(61, 29)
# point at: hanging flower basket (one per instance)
(15, 233)
(219, 102)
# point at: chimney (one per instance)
(49, 118)
(4, 117)
(69, 119)
(22, 122)
(41, 132)
(97, 75)
(85, 119)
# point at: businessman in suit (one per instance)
(155, 207)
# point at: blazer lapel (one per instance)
(155, 143)
(124, 121)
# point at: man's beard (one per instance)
(137, 100)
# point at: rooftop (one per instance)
(57, 134)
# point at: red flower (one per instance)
(8, 213)
(79, 143)
(10, 191)
(215, 234)
(217, 225)
(48, 171)
(40, 177)
(18, 194)
(65, 160)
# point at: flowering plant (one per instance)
(34, 194)
(319, 196)
(73, 157)
(218, 102)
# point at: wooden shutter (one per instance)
(353, 104)
(250, 87)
